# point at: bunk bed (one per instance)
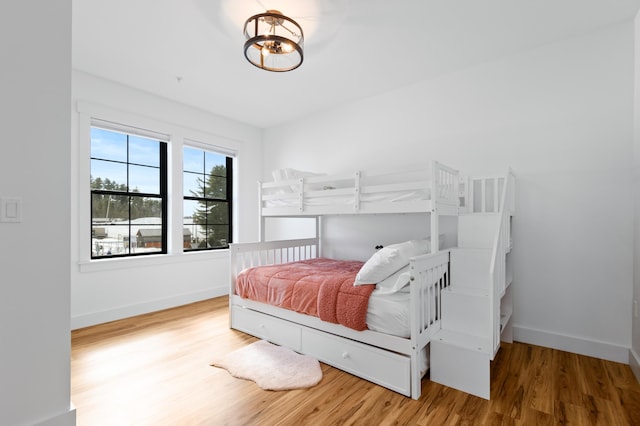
(396, 359)
(451, 326)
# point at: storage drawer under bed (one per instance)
(379, 366)
(266, 327)
(385, 368)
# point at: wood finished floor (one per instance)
(154, 370)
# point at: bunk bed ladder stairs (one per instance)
(461, 352)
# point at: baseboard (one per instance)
(86, 320)
(593, 348)
(634, 363)
(68, 418)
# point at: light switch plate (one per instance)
(10, 209)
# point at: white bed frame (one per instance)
(305, 200)
(390, 361)
(387, 360)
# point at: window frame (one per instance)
(163, 142)
(229, 160)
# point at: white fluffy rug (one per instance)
(272, 367)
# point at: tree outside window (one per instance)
(207, 199)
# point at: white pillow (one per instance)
(390, 259)
(395, 282)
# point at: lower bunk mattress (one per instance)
(325, 288)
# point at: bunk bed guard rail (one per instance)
(362, 192)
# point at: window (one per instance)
(207, 190)
(128, 191)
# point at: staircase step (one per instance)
(470, 267)
(477, 230)
(461, 361)
(465, 341)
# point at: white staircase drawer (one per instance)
(385, 368)
(461, 368)
(266, 327)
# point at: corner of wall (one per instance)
(578, 345)
(634, 363)
(68, 418)
(635, 321)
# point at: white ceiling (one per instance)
(191, 50)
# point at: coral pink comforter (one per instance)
(319, 287)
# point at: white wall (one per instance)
(635, 345)
(35, 83)
(111, 289)
(561, 116)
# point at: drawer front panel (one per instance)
(266, 327)
(385, 368)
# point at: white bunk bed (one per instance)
(430, 189)
(393, 361)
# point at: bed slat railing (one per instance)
(248, 255)
(429, 276)
(446, 181)
(484, 194)
(445, 190)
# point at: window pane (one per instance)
(193, 160)
(206, 220)
(144, 179)
(192, 224)
(107, 246)
(216, 187)
(189, 212)
(146, 225)
(193, 233)
(108, 145)
(146, 239)
(192, 185)
(109, 208)
(99, 208)
(217, 213)
(199, 217)
(218, 236)
(146, 211)
(188, 238)
(107, 175)
(109, 225)
(144, 151)
(215, 163)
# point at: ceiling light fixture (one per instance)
(274, 41)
